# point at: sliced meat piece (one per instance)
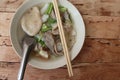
(58, 48)
(49, 41)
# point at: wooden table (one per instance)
(99, 58)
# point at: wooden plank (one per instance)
(10, 5)
(86, 7)
(5, 19)
(99, 50)
(98, 7)
(102, 27)
(96, 26)
(5, 41)
(102, 71)
(6, 51)
(94, 50)
(8, 54)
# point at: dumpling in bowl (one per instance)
(31, 21)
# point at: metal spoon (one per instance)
(28, 45)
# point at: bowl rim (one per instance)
(13, 43)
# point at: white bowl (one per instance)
(17, 34)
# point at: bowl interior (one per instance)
(17, 34)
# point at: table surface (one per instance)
(99, 58)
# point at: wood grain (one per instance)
(10, 5)
(102, 27)
(98, 7)
(5, 41)
(6, 51)
(5, 19)
(101, 71)
(99, 51)
(8, 54)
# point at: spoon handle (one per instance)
(26, 53)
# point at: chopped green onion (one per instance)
(51, 20)
(50, 8)
(45, 28)
(62, 9)
(39, 40)
(36, 38)
(42, 43)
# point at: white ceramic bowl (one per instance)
(17, 34)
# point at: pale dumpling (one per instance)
(31, 21)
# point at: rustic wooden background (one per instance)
(99, 58)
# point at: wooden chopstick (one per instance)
(63, 40)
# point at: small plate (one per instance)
(17, 34)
